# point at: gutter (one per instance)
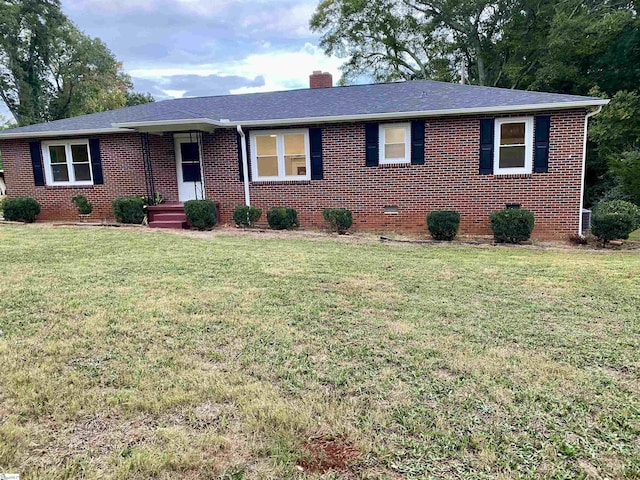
(584, 163)
(245, 165)
(62, 133)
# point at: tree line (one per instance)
(566, 46)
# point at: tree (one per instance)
(409, 39)
(616, 132)
(49, 69)
(137, 98)
(552, 45)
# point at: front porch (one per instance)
(174, 172)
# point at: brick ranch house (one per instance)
(388, 152)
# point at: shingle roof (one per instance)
(419, 96)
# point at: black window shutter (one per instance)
(417, 142)
(486, 146)
(541, 144)
(96, 161)
(36, 162)
(372, 143)
(240, 165)
(315, 144)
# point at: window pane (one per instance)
(394, 151)
(268, 166)
(60, 172)
(82, 172)
(266, 145)
(80, 154)
(191, 172)
(511, 157)
(512, 133)
(394, 135)
(190, 152)
(58, 154)
(294, 144)
(295, 165)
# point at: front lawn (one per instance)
(137, 354)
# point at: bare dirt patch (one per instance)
(323, 454)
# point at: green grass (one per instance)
(635, 236)
(135, 354)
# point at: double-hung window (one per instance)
(513, 151)
(280, 155)
(67, 162)
(395, 143)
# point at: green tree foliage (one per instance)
(49, 69)
(616, 132)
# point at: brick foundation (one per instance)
(449, 179)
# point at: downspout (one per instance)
(245, 166)
(584, 164)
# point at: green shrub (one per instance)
(20, 209)
(201, 214)
(281, 218)
(339, 219)
(620, 206)
(245, 216)
(443, 224)
(513, 225)
(128, 209)
(611, 226)
(82, 204)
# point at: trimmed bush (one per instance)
(513, 225)
(443, 224)
(281, 218)
(82, 204)
(614, 220)
(245, 216)
(201, 214)
(339, 219)
(128, 209)
(20, 209)
(620, 206)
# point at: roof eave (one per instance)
(62, 133)
(181, 123)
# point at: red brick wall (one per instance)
(449, 179)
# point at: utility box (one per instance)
(586, 220)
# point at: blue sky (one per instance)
(175, 48)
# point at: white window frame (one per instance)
(281, 177)
(407, 143)
(528, 146)
(72, 174)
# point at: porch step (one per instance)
(177, 224)
(167, 207)
(169, 217)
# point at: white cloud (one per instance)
(281, 69)
(284, 70)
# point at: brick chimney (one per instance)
(319, 79)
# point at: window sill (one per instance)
(512, 175)
(68, 187)
(394, 165)
(257, 183)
